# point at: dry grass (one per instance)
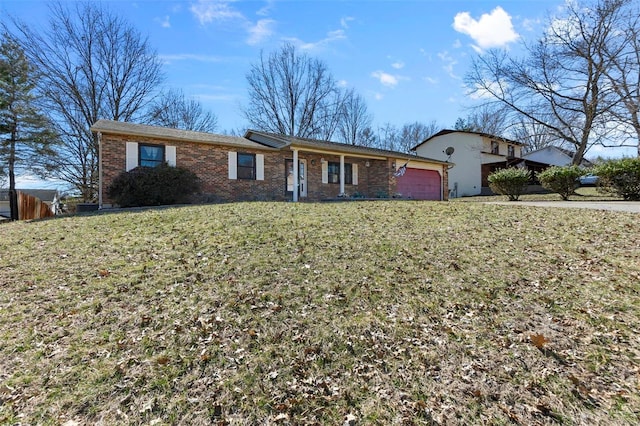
(357, 313)
(584, 193)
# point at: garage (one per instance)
(420, 184)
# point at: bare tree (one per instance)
(624, 74)
(412, 134)
(491, 118)
(561, 83)
(388, 137)
(354, 119)
(533, 134)
(292, 94)
(172, 109)
(26, 138)
(94, 65)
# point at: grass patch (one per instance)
(583, 193)
(370, 313)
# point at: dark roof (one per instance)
(486, 135)
(252, 139)
(119, 127)
(280, 141)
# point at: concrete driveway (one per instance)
(618, 206)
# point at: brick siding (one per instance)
(210, 163)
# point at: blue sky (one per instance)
(406, 58)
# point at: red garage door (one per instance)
(420, 184)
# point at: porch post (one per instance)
(296, 178)
(342, 175)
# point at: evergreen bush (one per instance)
(621, 177)
(511, 182)
(153, 186)
(561, 180)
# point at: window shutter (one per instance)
(170, 155)
(132, 156)
(259, 166)
(354, 174)
(233, 165)
(325, 172)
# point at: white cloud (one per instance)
(385, 78)
(448, 63)
(457, 44)
(216, 10)
(219, 11)
(398, 65)
(332, 36)
(343, 83)
(344, 22)
(190, 57)
(479, 92)
(378, 96)
(164, 22)
(260, 31)
(266, 9)
(530, 24)
(431, 80)
(491, 30)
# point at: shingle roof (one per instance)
(486, 135)
(281, 141)
(143, 130)
(253, 139)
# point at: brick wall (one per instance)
(210, 163)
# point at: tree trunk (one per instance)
(13, 195)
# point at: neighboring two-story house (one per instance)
(474, 155)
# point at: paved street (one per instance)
(620, 206)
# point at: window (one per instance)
(495, 147)
(150, 155)
(334, 173)
(511, 152)
(246, 166)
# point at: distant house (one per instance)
(36, 203)
(266, 166)
(555, 156)
(475, 155)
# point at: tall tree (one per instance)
(172, 109)
(94, 65)
(623, 53)
(354, 118)
(26, 138)
(534, 135)
(388, 137)
(292, 94)
(561, 83)
(412, 134)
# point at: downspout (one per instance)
(99, 171)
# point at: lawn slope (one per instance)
(357, 313)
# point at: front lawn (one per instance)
(382, 313)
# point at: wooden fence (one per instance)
(30, 207)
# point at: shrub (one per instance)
(561, 180)
(511, 182)
(153, 186)
(621, 177)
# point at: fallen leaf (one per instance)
(538, 340)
